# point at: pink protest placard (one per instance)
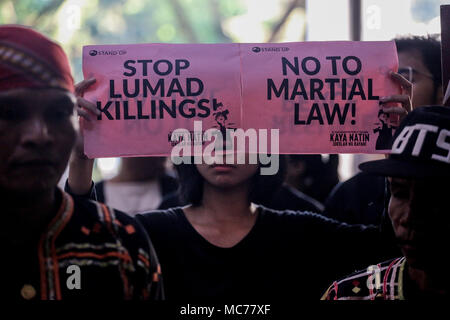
(322, 96)
(147, 91)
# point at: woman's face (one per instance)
(226, 175)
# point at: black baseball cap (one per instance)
(420, 148)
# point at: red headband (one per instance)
(28, 59)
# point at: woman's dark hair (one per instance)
(224, 114)
(380, 112)
(263, 187)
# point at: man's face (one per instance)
(423, 85)
(420, 214)
(36, 138)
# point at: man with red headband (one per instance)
(55, 247)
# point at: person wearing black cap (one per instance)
(418, 170)
(361, 199)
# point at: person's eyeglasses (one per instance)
(408, 72)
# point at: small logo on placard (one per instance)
(107, 52)
(270, 49)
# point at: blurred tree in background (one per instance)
(75, 23)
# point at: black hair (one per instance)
(222, 113)
(430, 49)
(381, 111)
(262, 188)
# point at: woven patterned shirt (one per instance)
(383, 281)
(89, 251)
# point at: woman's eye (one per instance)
(8, 112)
(59, 113)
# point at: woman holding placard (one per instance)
(222, 246)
